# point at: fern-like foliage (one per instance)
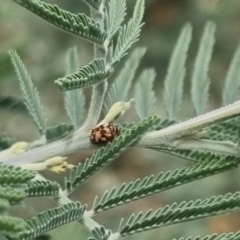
(93, 73)
(129, 33)
(13, 195)
(78, 24)
(226, 236)
(232, 83)
(176, 72)
(10, 175)
(176, 213)
(54, 218)
(200, 78)
(107, 154)
(121, 86)
(93, 3)
(163, 181)
(31, 96)
(42, 189)
(144, 94)
(75, 99)
(116, 12)
(12, 226)
(58, 131)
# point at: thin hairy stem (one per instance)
(192, 126)
(166, 136)
(99, 90)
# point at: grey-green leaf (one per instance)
(120, 87)
(200, 78)
(78, 24)
(129, 33)
(150, 185)
(59, 131)
(232, 84)
(75, 99)
(185, 211)
(173, 89)
(145, 97)
(55, 217)
(116, 11)
(93, 73)
(107, 154)
(31, 95)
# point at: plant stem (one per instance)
(164, 137)
(98, 90)
(193, 125)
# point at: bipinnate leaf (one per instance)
(107, 154)
(182, 212)
(129, 33)
(31, 95)
(141, 188)
(200, 78)
(118, 91)
(232, 83)
(116, 11)
(145, 97)
(78, 24)
(93, 73)
(54, 218)
(173, 89)
(75, 99)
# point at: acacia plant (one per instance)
(209, 140)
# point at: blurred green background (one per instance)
(43, 49)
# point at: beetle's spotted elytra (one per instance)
(104, 133)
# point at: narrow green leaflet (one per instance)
(107, 154)
(94, 3)
(173, 89)
(162, 182)
(75, 99)
(116, 11)
(223, 236)
(145, 97)
(93, 73)
(232, 84)
(54, 218)
(100, 233)
(42, 189)
(129, 33)
(121, 86)
(200, 78)
(78, 24)
(182, 212)
(59, 131)
(31, 96)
